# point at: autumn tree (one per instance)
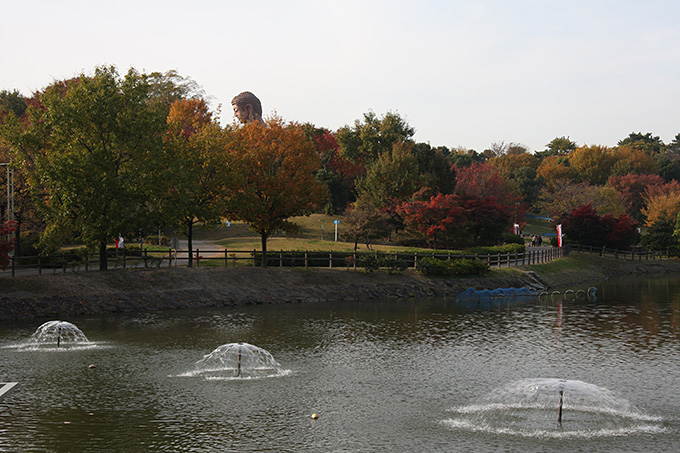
(432, 216)
(274, 177)
(196, 169)
(632, 188)
(484, 181)
(365, 222)
(519, 170)
(555, 170)
(564, 197)
(592, 164)
(630, 159)
(661, 203)
(584, 225)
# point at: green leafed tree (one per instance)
(94, 148)
(558, 146)
(373, 136)
(648, 142)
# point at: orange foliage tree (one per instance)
(555, 170)
(274, 177)
(196, 168)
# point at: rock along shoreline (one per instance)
(67, 295)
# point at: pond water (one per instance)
(423, 375)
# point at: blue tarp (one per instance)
(486, 295)
(538, 217)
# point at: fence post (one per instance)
(415, 260)
(254, 258)
(354, 259)
(499, 260)
(281, 258)
(306, 258)
(330, 260)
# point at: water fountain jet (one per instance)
(238, 360)
(59, 334)
(526, 408)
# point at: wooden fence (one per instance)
(71, 262)
(634, 254)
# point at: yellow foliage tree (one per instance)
(662, 203)
(555, 170)
(593, 164)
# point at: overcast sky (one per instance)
(461, 72)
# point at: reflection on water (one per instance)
(382, 375)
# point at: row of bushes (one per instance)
(458, 267)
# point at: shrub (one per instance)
(509, 238)
(460, 267)
(496, 249)
(433, 267)
(469, 267)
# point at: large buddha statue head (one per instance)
(247, 107)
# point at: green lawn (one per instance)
(316, 232)
(538, 226)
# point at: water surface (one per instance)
(391, 375)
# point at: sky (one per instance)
(462, 73)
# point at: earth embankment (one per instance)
(66, 295)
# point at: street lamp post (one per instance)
(10, 190)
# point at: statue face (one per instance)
(243, 113)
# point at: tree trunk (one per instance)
(103, 259)
(264, 249)
(190, 245)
